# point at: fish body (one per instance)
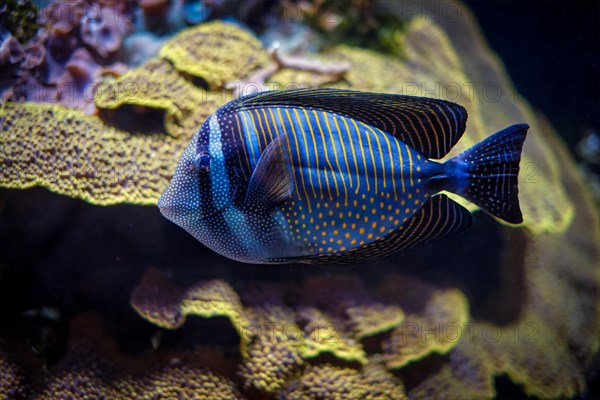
(335, 176)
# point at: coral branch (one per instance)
(257, 81)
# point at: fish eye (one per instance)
(202, 162)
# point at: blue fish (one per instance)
(336, 176)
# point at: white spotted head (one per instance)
(200, 189)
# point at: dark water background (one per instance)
(551, 50)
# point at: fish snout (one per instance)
(170, 211)
(163, 206)
(176, 210)
(167, 207)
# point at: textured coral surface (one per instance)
(216, 52)
(515, 308)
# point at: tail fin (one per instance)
(491, 169)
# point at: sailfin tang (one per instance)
(272, 180)
(438, 217)
(492, 169)
(428, 125)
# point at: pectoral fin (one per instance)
(272, 180)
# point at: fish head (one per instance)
(202, 186)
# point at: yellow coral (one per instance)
(438, 329)
(273, 357)
(214, 298)
(218, 52)
(372, 319)
(324, 335)
(551, 373)
(156, 85)
(331, 382)
(167, 306)
(467, 374)
(184, 383)
(79, 156)
(12, 380)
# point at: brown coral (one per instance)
(340, 383)
(466, 374)
(437, 328)
(273, 357)
(167, 306)
(12, 379)
(324, 335)
(94, 369)
(182, 383)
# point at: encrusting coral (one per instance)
(341, 383)
(180, 383)
(384, 336)
(271, 342)
(154, 86)
(168, 306)
(436, 329)
(347, 299)
(272, 358)
(467, 374)
(12, 380)
(275, 340)
(325, 335)
(211, 54)
(81, 156)
(373, 319)
(215, 52)
(92, 368)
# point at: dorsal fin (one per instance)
(428, 125)
(439, 216)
